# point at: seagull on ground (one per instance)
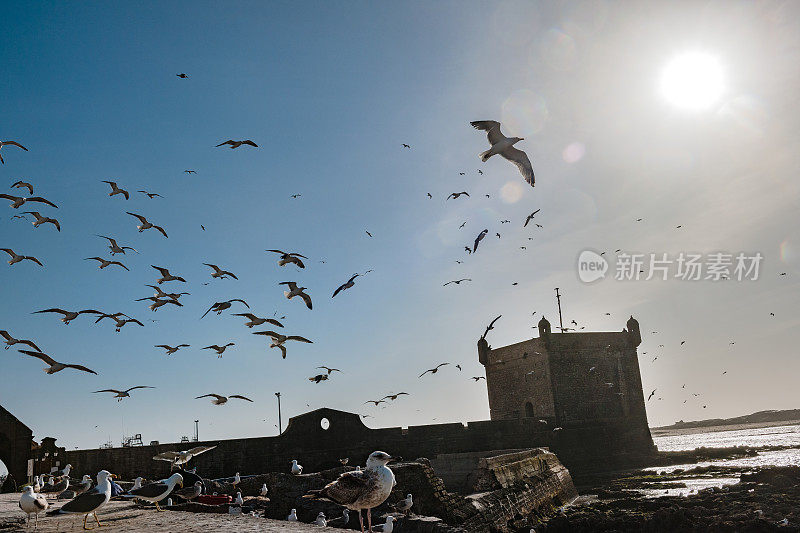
(145, 224)
(32, 503)
(387, 527)
(320, 520)
(190, 493)
(220, 400)
(219, 349)
(289, 257)
(12, 143)
(158, 490)
(114, 247)
(237, 144)
(90, 501)
(16, 258)
(42, 220)
(296, 468)
(120, 394)
(116, 189)
(182, 457)
(219, 273)
(294, 290)
(253, 320)
(292, 516)
(105, 262)
(264, 490)
(505, 147)
(278, 340)
(359, 490)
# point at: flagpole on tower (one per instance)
(560, 320)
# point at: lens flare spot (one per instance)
(511, 192)
(574, 152)
(524, 113)
(557, 49)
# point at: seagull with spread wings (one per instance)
(11, 341)
(16, 258)
(158, 302)
(221, 400)
(219, 307)
(344, 286)
(294, 290)
(219, 349)
(12, 143)
(455, 195)
(237, 144)
(120, 394)
(329, 369)
(22, 184)
(478, 239)
(42, 220)
(55, 366)
(145, 224)
(150, 195)
(490, 327)
(393, 397)
(103, 263)
(166, 276)
(219, 273)
(69, 316)
(254, 320)
(183, 457)
(456, 281)
(171, 349)
(505, 147)
(289, 257)
(120, 322)
(279, 340)
(530, 217)
(434, 370)
(114, 247)
(17, 201)
(116, 189)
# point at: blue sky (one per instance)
(329, 91)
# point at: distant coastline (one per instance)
(754, 420)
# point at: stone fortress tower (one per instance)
(569, 380)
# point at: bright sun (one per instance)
(692, 81)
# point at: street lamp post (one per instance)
(278, 394)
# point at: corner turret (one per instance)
(634, 336)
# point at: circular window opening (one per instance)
(324, 423)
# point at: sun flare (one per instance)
(693, 81)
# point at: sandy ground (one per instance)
(125, 516)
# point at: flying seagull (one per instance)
(11, 341)
(530, 217)
(12, 143)
(393, 397)
(278, 340)
(105, 262)
(42, 220)
(17, 201)
(344, 286)
(477, 378)
(455, 195)
(406, 145)
(114, 247)
(119, 322)
(190, 171)
(166, 276)
(55, 366)
(478, 239)
(254, 320)
(237, 144)
(120, 394)
(319, 378)
(219, 349)
(158, 302)
(182, 75)
(294, 290)
(116, 189)
(68, 315)
(456, 281)
(490, 327)
(220, 400)
(219, 307)
(171, 349)
(145, 224)
(16, 258)
(219, 273)
(183, 457)
(20, 184)
(505, 147)
(151, 195)
(289, 257)
(329, 369)
(434, 370)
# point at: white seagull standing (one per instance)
(505, 147)
(90, 501)
(361, 490)
(32, 504)
(296, 468)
